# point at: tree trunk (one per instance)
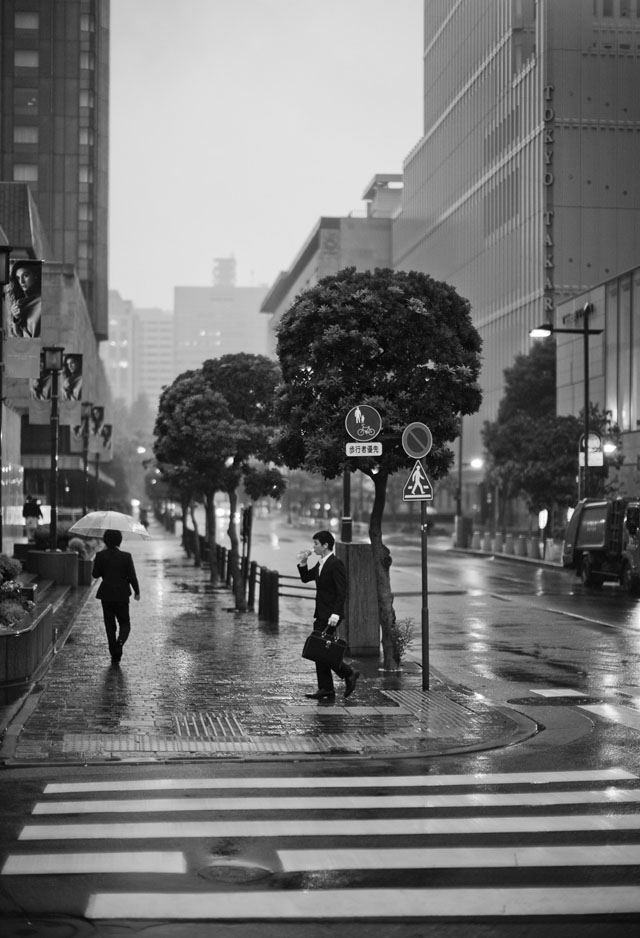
(381, 567)
(210, 516)
(184, 508)
(197, 559)
(237, 583)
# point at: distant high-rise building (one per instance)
(214, 321)
(54, 128)
(224, 271)
(139, 356)
(118, 351)
(153, 356)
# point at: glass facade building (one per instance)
(523, 191)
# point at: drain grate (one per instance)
(206, 725)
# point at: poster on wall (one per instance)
(96, 423)
(40, 392)
(70, 390)
(106, 436)
(79, 429)
(22, 319)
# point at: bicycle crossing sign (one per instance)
(418, 487)
(363, 423)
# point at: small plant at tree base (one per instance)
(401, 638)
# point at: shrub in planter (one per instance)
(13, 604)
(84, 549)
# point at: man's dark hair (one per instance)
(112, 538)
(325, 537)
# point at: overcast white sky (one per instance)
(236, 124)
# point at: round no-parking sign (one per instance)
(417, 440)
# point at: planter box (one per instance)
(23, 651)
(61, 567)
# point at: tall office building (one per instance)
(524, 189)
(219, 320)
(54, 102)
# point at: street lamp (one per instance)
(542, 332)
(85, 416)
(53, 357)
(5, 254)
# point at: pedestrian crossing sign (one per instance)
(418, 488)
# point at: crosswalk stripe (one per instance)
(332, 781)
(367, 903)
(617, 714)
(38, 864)
(611, 795)
(324, 827)
(420, 858)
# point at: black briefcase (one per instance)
(324, 649)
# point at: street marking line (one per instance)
(42, 864)
(359, 781)
(366, 903)
(332, 828)
(382, 802)
(617, 714)
(417, 858)
(557, 692)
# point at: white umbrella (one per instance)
(97, 522)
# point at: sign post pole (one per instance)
(425, 597)
(417, 442)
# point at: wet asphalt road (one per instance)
(505, 630)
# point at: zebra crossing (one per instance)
(355, 831)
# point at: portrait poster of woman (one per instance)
(70, 389)
(22, 319)
(96, 423)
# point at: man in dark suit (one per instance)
(118, 574)
(330, 577)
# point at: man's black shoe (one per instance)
(350, 683)
(321, 695)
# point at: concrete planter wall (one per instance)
(23, 651)
(59, 566)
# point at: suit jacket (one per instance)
(331, 586)
(118, 574)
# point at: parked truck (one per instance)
(602, 542)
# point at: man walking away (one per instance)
(119, 578)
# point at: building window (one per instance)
(86, 23)
(26, 21)
(25, 58)
(85, 211)
(86, 174)
(87, 61)
(25, 172)
(25, 134)
(86, 99)
(86, 137)
(25, 101)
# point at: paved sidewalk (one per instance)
(200, 681)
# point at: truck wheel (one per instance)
(589, 578)
(630, 581)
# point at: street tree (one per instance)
(398, 341)
(195, 435)
(247, 383)
(532, 453)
